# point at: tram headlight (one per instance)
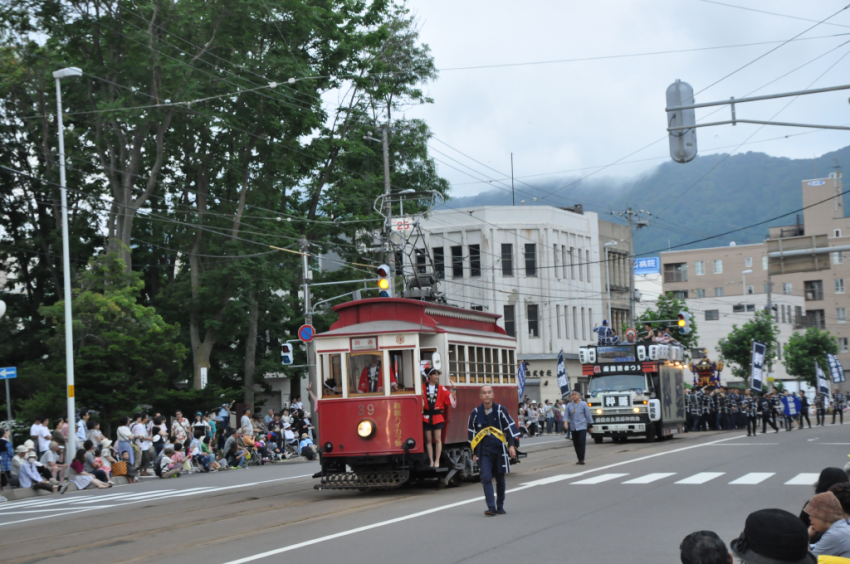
(366, 429)
(599, 412)
(409, 444)
(329, 446)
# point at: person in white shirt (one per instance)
(50, 460)
(30, 478)
(125, 439)
(245, 426)
(143, 441)
(180, 429)
(169, 467)
(40, 435)
(82, 428)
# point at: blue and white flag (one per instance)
(835, 369)
(520, 379)
(823, 385)
(757, 368)
(563, 379)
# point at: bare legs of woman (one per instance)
(429, 437)
(438, 445)
(99, 484)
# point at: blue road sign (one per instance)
(8, 373)
(306, 333)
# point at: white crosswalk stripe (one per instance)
(599, 479)
(804, 479)
(752, 478)
(701, 478)
(649, 478)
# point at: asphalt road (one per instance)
(636, 500)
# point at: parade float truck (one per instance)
(635, 390)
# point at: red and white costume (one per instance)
(435, 400)
(371, 380)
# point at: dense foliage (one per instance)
(804, 349)
(736, 348)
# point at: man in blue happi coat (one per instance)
(493, 435)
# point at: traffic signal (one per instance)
(384, 282)
(286, 353)
(684, 322)
(683, 142)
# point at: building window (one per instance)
(815, 318)
(700, 292)
(583, 326)
(798, 313)
(555, 261)
(764, 262)
(837, 258)
(564, 260)
(533, 322)
(507, 259)
(587, 262)
(558, 319)
(440, 262)
(680, 294)
(748, 262)
(739, 308)
(843, 344)
(475, 260)
(718, 292)
(676, 272)
(580, 271)
(457, 262)
(839, 285)
(699, 267)
(783, 313)
(813, 290)
(751, 289)
(836, 233)
(572, 264)
(530, 259)
(787, 288)
(420, 261)
(841, 314)
(575, 323)
(718, 266)
(712, 314)
(566, 322)
(510, 321)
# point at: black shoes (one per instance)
(490, 513)
(501, 511)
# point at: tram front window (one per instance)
(366, 374)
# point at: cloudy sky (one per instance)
(571, 118)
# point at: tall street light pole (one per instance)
(744, 278)
(8, 395)
(66, 261)
(608, 278)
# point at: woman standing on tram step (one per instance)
(435, 400)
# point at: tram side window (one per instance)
(333, 383)
(462, 373)
(512, 367)
(488, 367)
(479, 353)
(506, 369)
(472, 366)
(453, 373)
(496, 367)
(365, 375)
(401, 367)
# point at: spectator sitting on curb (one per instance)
(170, 468)
(305, 447)
(773, 536)
(704, 547)
(233, 453)
(50, 460)
(30, 478)
(106, 457)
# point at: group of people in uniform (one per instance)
(718, 408)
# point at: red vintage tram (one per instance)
(375, 440)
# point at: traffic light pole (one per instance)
(308, 319)
(388, 207)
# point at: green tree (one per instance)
(737, 347)
(125, 355)
(804, 349)
(667, 308)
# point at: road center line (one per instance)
(544, 481)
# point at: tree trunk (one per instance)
(251, 348)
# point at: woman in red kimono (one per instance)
(435, 400)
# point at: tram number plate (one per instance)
(365, 409)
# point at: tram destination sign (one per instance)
(364, 343)
(615, 354)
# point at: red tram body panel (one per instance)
(371, 368)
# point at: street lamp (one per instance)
(608, 277)
(744, 277)
(66, 262)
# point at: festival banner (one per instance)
(563, 379)
(757, 369)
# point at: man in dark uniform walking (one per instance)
(492, 434)
(695, 409)
(820, 409)
(749, 407)
(708, 413)
(766, 408)
(804, 409)
(838, 401)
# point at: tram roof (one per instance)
(395, 315)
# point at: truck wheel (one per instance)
(651, 433)
(598, 439)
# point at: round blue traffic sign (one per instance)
(306, 333)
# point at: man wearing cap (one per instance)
(827, 519)
(50, 460)
(773, 536)
(606, 334)
(435, 400)
(30, 478)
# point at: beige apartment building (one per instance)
(742, 270)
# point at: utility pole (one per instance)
(307, 275)
(388, 206)
(769, 312)
(633, 217)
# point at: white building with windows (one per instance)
(538, 267)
